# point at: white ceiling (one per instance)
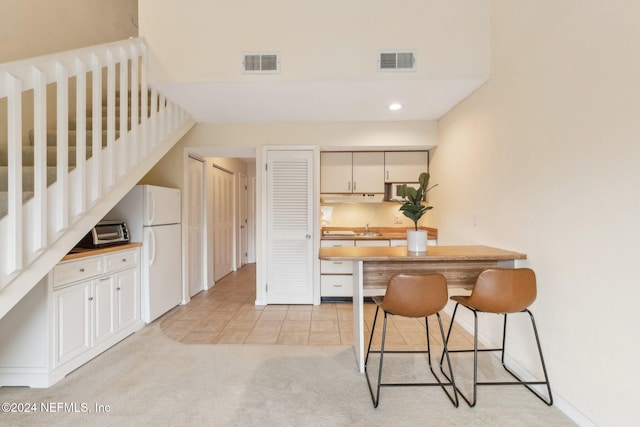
(318, 101)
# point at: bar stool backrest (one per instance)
(503, 290)
(415, 295)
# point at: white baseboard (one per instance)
(560, 403)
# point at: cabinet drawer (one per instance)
(334, 243)
(121, 260)
(336, 285)
(336, 267)
(73, 271)
(372, 243)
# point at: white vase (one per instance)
(417, 240)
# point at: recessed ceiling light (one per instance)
(395, 106)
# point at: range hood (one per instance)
(351, 198)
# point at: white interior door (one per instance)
(195, 226)
(243, 220)
(290, 227)
(222, 223)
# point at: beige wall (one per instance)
(545, 156)
(204, 40)
(250, 137)
(31, 28)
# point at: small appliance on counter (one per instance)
(105, 233)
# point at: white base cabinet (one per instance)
(336, 277)
(79, 310)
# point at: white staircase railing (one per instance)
(123, 124)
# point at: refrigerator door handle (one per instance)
(151, 207)
(152, 245)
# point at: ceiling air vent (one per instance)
(397, 61)
(261, 63)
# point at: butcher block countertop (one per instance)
(434, 253)
(384, 233)
(76, 253)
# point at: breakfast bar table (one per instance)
(373, 266)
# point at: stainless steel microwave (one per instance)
(105, 233)
(391, 191)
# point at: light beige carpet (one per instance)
(148, 379)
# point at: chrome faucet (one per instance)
(366, 228)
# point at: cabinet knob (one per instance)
(117, 289)
(124, 260)
(90, 298)
(82, 270)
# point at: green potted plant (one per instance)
(413, 207)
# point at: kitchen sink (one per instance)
(368, 234)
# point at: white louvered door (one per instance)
(290, 227)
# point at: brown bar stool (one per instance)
(412, 295)
(501, 291)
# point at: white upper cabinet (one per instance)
(405, 166)
(352, 172)
(368, 172)
(335, 172)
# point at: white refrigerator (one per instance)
(153, 216)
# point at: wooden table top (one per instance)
(400, 253)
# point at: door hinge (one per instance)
(266, 287)
(266, 166)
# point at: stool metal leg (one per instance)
(452, 382)
(547, 400)
(471, 402)
(375, 397)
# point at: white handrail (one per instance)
(96, 75)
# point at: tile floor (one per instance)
(227, 314)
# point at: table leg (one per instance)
(358, 313)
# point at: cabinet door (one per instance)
(72, 322)
(405, 166)
(368, 172)
(103, 309)
(127, 298)
(335, 172)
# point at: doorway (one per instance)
(234, 161)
